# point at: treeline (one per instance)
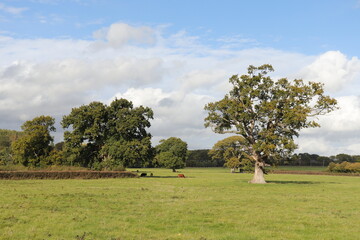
(195, 158)
(306, 159)
(97, 136)
(115, 136)
(202, 158)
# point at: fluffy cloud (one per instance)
(121, 34)
(344, 120)
(333, 69)
(317, 145)
(175, 75)
(339, 132)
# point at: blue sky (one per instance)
(303, 26)
(176, 56)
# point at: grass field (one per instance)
(299, 168)
(208, 204)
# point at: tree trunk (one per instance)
(259, 173)
(174, 170)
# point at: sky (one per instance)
(175, 57)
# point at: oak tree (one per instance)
(268, 114)
(113, 135)
(231, 150)
(171, 153)
(33, 148)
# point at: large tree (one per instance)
(268, 114)
(171, 153)
(114, 135)
(33, 148)
(231, 150)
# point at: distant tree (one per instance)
(7, 137)
(201, 158)
(4, 141)
(231, 150)
(307, 159)
(171, 153)
(34, 147)
(356, 158)
(111, 136)
(5, 144)
(342, 157)
(267, 114)
(323, 161)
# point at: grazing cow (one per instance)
(181, 175)
(143, 174)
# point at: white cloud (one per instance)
(343, 122)
(54, 87)
(237, 41)
(175, 75)
(11, 10)
(333, 69)
(175, 115)
(339, 131)
(346, 118)
(120, 34)
(352, 149)
(146, 97)
(314, 145)
(203, 79)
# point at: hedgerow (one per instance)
(344, 167)
(64, 174)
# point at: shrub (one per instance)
(344, 167)
(108, 164)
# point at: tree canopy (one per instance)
(35, 145)
(231, 150)
(171, 153)
(267, 113)
(7, 137)
(113, 135)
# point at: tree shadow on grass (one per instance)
(165, 177)
(293, 182)
(160, 177)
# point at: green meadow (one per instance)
(210, 203)
(299, 168)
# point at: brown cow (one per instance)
(181, 175)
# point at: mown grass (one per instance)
(208, 204)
